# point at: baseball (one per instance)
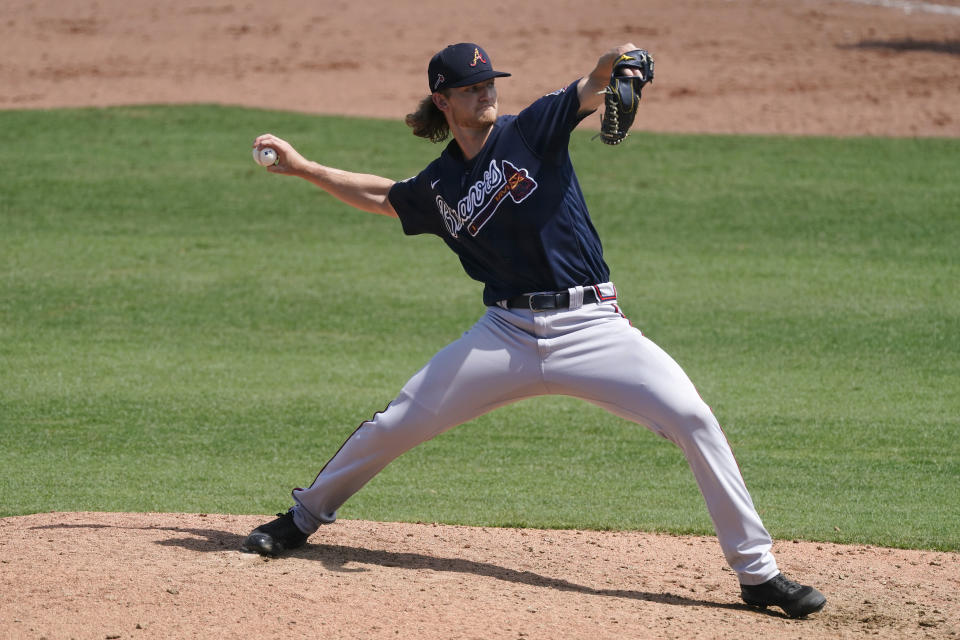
(265, 157)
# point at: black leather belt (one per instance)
(549, 301)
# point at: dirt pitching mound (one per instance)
(107, 575)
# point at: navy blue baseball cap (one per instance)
(460, 65)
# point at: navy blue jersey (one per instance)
(514, 214)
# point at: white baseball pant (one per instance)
(591, 352)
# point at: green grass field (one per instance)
(181, 331)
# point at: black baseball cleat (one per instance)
(795, 599)
(276, 536)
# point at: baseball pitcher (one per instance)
(503, 196)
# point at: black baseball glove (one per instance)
(622, 96)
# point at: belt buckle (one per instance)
(551, 297)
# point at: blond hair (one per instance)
(428, 121)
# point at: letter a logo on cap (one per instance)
(477, 57)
